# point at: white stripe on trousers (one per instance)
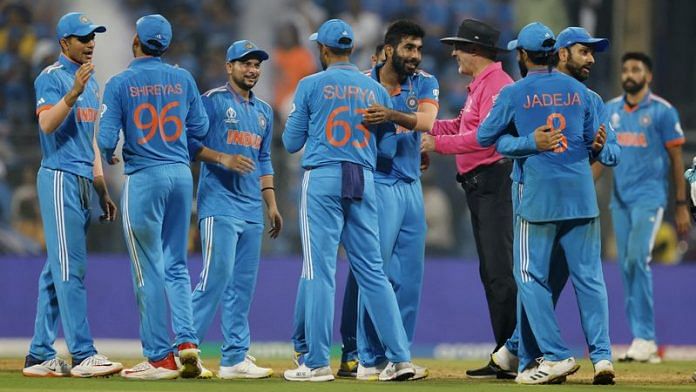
(656, 227)
(307, 267)
(208, 225)
(524, 250)
(130, 238)
(63, 258)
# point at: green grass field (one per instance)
(444, 375)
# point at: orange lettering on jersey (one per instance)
(86, 115)
(631, 139)
(556, 99)
(155, 89)
(244, 138)
(366, 96)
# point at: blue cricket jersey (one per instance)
(516, 147)
(644, 133)
(326, 118)
(418, 88)
(558, 183)
(237, 126)
(69, 147)
(159, 109)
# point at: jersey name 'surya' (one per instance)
(347, 92)
(155, 89)
(557, 99)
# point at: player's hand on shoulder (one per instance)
(276, 222)
(238, 163)
(546, 139)
(376, 114)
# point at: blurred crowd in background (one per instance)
(203, 29)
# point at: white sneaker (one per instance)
(399, 371)
(642, 350)
(370, 373)
(146, 371)
(245, 369)
(421, 372)
(55, 367)
(603, 373)
(96, 366)
(548, 371)
(506, 361)
(303, 373)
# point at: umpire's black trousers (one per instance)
(488, 194)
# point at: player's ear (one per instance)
(563, 54)
(228, 67)
(388, 50)
(63, 44)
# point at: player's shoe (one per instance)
(245, 369)
(55, 367)
(164, 369)
(205, 372)
(603, 373)
(506, 363)
(298, 358)
(348, 369)
(190, 361)
(420, 373)
(303, 373)
(491, 370)
(548, 372)
(370, 373)
(96, 365)
(400, 371)
(642, 350)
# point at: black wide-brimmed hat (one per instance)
(475, 32)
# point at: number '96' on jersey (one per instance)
(158, 108)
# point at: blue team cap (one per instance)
(244, 48)
(577, 35)
(77, 24)
(335, 33)
(154, 32)
(534, 37)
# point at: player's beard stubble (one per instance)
(399, 64)
(632, 87)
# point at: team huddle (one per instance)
(527, 155)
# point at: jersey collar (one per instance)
(144, 60)
(238, 97)
(490, 68)
(343, 65)
(407, 84)
(68, 64)
(643, 102)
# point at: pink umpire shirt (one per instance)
(458, 136)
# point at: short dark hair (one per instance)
(400, 29)
(543, 58)
(150, 51)
(639, 56)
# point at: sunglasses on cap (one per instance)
(85, 39)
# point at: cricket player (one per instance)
(414, 97)
(67, 106)
(576, 56)
(651, 136)
(338, 203)
(230, 214)
(557, 202)
(159, 109)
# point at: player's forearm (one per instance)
(97, 169)
(50, 119)
(208, 155)
(268, 191)
(100, 186)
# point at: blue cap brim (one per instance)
(261, 54)
(512, 45)
(314, 36)
(598, 44)
(89, 29)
